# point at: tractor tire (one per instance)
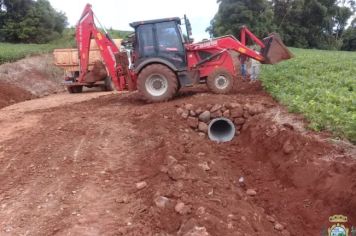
(108, 85)
(157, 83)
(220, 81)
(75, 89)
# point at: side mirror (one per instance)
(188, 27)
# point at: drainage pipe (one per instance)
(221, 130)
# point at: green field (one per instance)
(319, 84)
(12, 52)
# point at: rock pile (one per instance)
(199, 117)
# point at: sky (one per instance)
(119, 13)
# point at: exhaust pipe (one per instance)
(221, 130)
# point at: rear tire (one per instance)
(75, 89)
(157, 83)
(108, 84)
(220, 81)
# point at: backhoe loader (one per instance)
(164, 61)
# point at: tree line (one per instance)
(30, 21)
(322, 24)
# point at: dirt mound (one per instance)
(118, 166)
(28, 78)
(10, 94)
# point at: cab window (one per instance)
(168, 37)
(146, 40)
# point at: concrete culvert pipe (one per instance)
(221, 130)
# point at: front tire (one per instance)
(75, 89)
(220, 81)
(157, 83)
(108, 84)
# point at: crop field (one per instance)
(11, 52)
(319, 84)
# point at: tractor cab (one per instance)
(159, 41)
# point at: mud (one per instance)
(74, 170)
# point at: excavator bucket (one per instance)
(275, 50)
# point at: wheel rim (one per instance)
(156, 85)
(221, 82)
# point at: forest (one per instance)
(319, 24)
(29, 21)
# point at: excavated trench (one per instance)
(299, 178)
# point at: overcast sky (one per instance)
(119, 13)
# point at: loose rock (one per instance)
(185, 114)
(189, 107)
(239, 121)
(242, 181)
(180, 111)
(216, 114)
(181, 208)
(226, 114)
(203, 127)
(192, 113)
(141, 185)
(205, 116)
(233, 105)
(161, 201)
(200, 211)
(204, 166)
(270, 219)
(251, 192)
(278, 227)
(177, 172)
(193, 122)
(215, 108)
(255, 109)
(246, 115)
(288, 147)
(201, 134)
(199, 111)
(197, 231)
(170, 160)
(236, 112)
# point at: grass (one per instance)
(11, 52)
(319, 84)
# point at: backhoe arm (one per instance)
(85, 31)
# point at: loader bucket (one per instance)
(275, 50)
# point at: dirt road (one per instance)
(70, 164)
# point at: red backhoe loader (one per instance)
(163, 60)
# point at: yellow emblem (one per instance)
(338, 229)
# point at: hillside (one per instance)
(12, 52)
(319, 84)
